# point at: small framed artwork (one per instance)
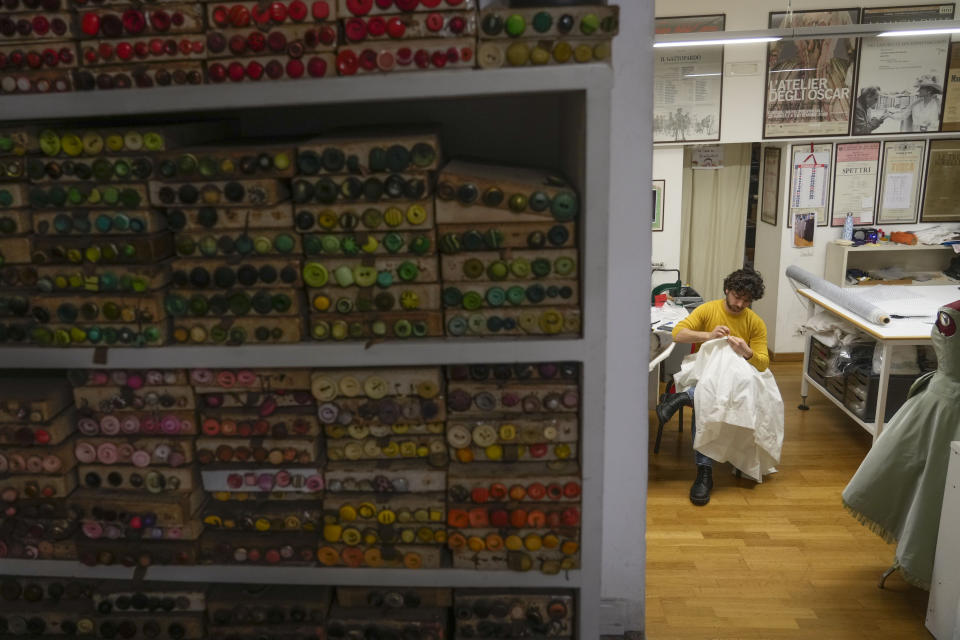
(771, 185)
(658, 188)
(804, 224)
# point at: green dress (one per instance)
(898, 489)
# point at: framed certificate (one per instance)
(810, 180)
(900, 175)
(941, 191)
(770, 191)
(855, 174)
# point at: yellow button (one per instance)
(261, 524)
(114, 142)
(416, 214)
(347, 513)
(393, 217)
(375, 387)
(494, 452)
(321, 303)
(513, 543)
(350, 386)
(386, 517)
(423, 451)
(72, 144)
(367, 510)
(391, 450)
(332, 532)
(508, 432)
(408, 449)
(92, 143)
(351, 536)
(562, 451)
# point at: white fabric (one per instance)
(739, 409)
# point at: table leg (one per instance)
(804, 385)
(886, 354)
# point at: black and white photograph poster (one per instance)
(687, 84)
(809, 89)
(900, 85)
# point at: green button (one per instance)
(564, 266)
(365, 276)
(102, 169)
(384, 280)
(542, 22)
(103, 223)
(516, 25)
(473, 268)
(402, 328)
(330, 244)
(151, 334)
(129, 198)
(284, 243)
(312, 244)
(372, 218)
(558, 235)
(472, 301)
(492, 24)
(111, 195)
(450, 243)
(208, 245)
(452, 297)
(423, 154)
(497, 270)
(457, 326)
(175, 304)
(589, 23)
(393, 242)
(349, 246)
(472, 240)
(315, 274)
(495, 296)
(540, 267)
(239, 304)
(516, 295)
(564, 206)
(75, 196)
(539, 201)
(518, 203)
(6, 144)
(536, 293)
(121, 169)
(420, 245)
(520, 267)
(408, 271)
(198, 305)
(536, 240)
(121, 222)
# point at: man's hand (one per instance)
(740, 347)
(721, 331)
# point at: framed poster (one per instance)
(900, 181)
(900, 84)
(810, 81)
(658, 188)
(687, 84)
(809, 180)
(911, 13)
(941, 191)
(855, 174)
(804, 225)
(770, 193)
(951, 99)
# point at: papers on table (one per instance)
(663, 318)
(905, 301)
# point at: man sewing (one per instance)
(746, 333)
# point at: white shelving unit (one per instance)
(557, 117)
(868, 257)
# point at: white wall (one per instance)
(742, 121)
(668, 166)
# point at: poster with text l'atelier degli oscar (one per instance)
(810, 81)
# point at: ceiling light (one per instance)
(705, 43)
(916, 32)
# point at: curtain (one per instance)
(713, 220)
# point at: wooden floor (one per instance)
(781, 559)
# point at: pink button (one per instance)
(176, 459)
(107, 453)
(92, 530)
(9, 495)
(52, 464)
(265, 481)
(250, 479)
(34, 464)
(283, 478)
(174, 533)
(109, 425)
(140, 459)
(246, 378)
(509, 399)
(226, 379)
(186, 426)
(88, 426)
(125, 452)
(99, 378)
(130, 424)
(113, 531)
(85, 452)
(315, 482)
(135, 381)
(170, 424)
(150, 425)
(201, 376)
(234, 480)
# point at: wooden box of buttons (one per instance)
(494, 54)
(257, 449)
(180, 303)
(429, 448)
(118, 596)
(498, 21)
(140, 452)
(380, 271)
(347, 8)
(33, 400)
(137, 553)
(15, 221)
(162, 626)
(369, 152)
(483, 483)
(483, 236)
(218, 380)
(12, 196)
(271, 548)
(357, 218)
(16, 250)
(113, 278)
(26, 82)
(148, 421)
(484, 322)
(267, 607)
(237, 243)
(280, 66)
(119, 21)
(133, 139)
(99, 334)
(285, 12)
(398, 598)
(95, 529)
(19, 140)
(229, 218)
(134, 50)
(258, 402)
(91, 223)
(485, 398)
(401, 297)
(411, 26)
(126, 168)
(508, 612)
(471, 192)
(93, 195)
(410, 518)
(295, 40)
(145, 249)
(395, 188)
(49, 459)
(406, 55)
(423, 622)
(12, 169)
(369, 243)
(148, 480)
(151, 398)
(141, 309)
(53, 432)
(241, 424)
(238, 330)
(133, 378)
(241, 193)
(546, 561)
(383, 476)
(227, 162)
(37, 26)
(388, 556)
(305, 482)
(263, 515)
(37, 485)
(162, 510)
(200, 273)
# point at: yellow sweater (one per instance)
(746, 325)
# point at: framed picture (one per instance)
(770, 193)
(658, 188)
(900, 176)
(804, 225)
(855, 174)
(687, 84)
(951, 99)
(909, 13)
(809, 81)
(941, 190)
(900, 85)
(810, 180)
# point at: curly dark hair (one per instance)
(745, 282)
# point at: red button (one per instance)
(376, 26)
(160, 20)
(439, 59)
(384, 4)
(359, 7)
(421, 58)
(41, 25)
(90, 24)
(434, 22)
(141, 49)
(274, 69)
(239, 16)
(404, 56)
(453, 56)
(297, 11)
(295, 68)
(236, 71)
(368, 59)
(260, 15)
(278, 12)
(254, 70)
(431, 4)
(327, 35)
(317, 67)
(457, 25)
(386, 61)
(466, 54)
(499, 518)
(355, 29)
(406, 5)
(134, 22)
(238, 44)
(320, 10)
(479, 495)
(220, 16)
(277, 41)
(257, 41)
(396, 28)
(347, 63)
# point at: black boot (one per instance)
(700, 491)
(670, 404)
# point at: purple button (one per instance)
(88, 426)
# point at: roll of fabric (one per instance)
(835, 294)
